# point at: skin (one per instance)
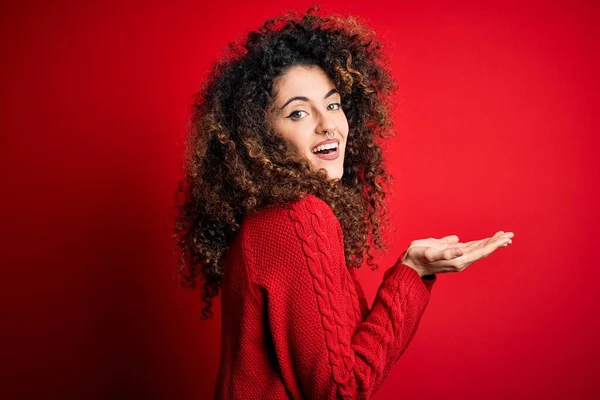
(434, 256)
(304, 123)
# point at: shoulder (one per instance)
(303, 210)
(300, 220)
(283, 239)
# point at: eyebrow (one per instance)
(331, 92)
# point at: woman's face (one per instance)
(305, 108)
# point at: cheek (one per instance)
(345, 128)
(297, 137)
(343, 122)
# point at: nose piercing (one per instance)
(327, 134)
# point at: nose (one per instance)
(325, 125)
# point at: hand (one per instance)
(434, 256)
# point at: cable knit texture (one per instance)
(295, 321)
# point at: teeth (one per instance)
(325, 146)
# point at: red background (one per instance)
(495, 132)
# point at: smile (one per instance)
(327, 152)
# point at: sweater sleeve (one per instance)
(322, 345)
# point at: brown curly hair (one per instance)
(236, 164)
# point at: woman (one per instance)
(281, 196)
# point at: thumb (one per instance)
(450, 239)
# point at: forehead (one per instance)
(303, 81)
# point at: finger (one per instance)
(471, 252)
(496, 235)
(501, 240)
(493, 238)
(486, 249)
(500, 235)
(475, 243)
(506, 235)
(468, 245)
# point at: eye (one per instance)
(295, 115)
(337, 106)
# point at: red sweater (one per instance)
(295, 321)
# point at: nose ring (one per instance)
(332, 134)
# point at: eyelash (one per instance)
(297, 111)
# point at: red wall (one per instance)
(495, 132)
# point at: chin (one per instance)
(333, 171)
(335, 174)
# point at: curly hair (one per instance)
(236, 164)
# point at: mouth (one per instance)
(328, 152)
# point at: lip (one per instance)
(326, 142)
(330, 156)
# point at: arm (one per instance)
(320, 350)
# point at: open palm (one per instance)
(433, 256)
